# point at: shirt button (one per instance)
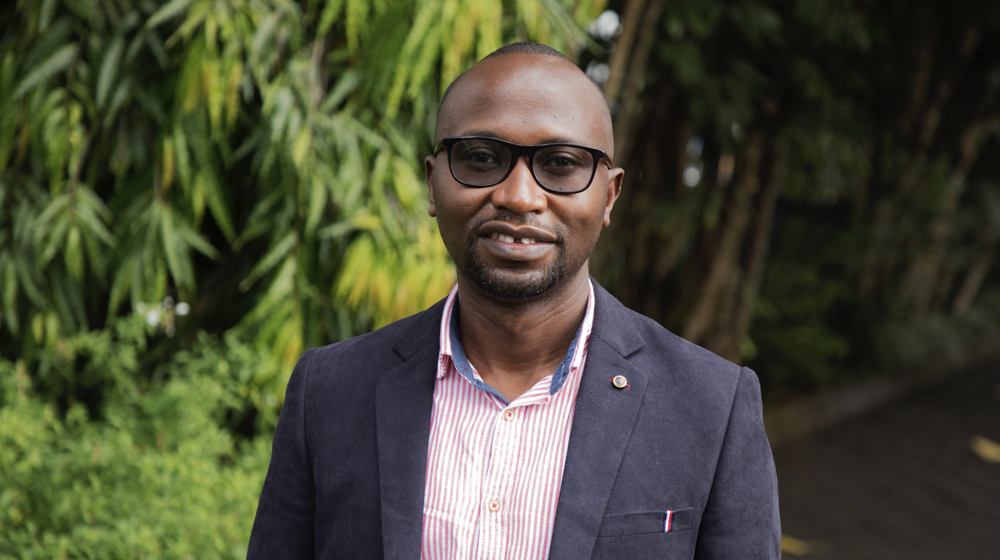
(494, 505)
(508, 414)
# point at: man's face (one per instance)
(515, 240)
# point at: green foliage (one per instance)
(105, 456)
(810, 184)
(192, 192)
(262, 153)
(793, 338)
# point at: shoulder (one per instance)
(393, 343)
(356, 363)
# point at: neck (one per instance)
(513, 346)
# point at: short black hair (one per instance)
(522, 47)
(527, 48)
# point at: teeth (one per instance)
(509, 239)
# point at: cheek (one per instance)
(584, 223)
(456, 209)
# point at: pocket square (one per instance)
(646, 522)
(677, 520)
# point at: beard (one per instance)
(511, 284)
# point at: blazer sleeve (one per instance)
(285, 521)
(741, 517)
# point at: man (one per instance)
(529, 415)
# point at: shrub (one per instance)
(105, 453)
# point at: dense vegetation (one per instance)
(193, 192)
(812, 185)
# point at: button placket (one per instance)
(499, 477)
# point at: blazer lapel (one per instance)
(403, 402)
(602, 425)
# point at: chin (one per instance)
(512, 284)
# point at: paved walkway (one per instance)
(901, 482)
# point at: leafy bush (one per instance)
(139, 460)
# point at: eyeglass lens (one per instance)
(482, 162)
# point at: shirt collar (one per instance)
(453, 351)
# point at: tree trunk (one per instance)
(973, 281)
(918, 125)
(623, 49)
(922, 277)
(761, 243)
(633, 84)
(726, 255)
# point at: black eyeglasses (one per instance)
(481, 161)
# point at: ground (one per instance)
(902, 482)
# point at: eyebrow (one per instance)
(498, 136)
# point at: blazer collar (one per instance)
(603, 421)
(404, 396)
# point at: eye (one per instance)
(563, 161)
(481, 157)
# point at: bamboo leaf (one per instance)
(280, 291)
(95, 256)
(173, 250)
(56, 206)
(329, 15)
(122, 282)
(55, 238)
(346, 83)
(10, 296)
(356, 12)
(196, 242)
(29, 284)
(277, 252)
(183, 157)
(109, 69)
(59, 61)
(88, 208)
(45, 14)
(169, 10)
(63, 308)
(300, 147)
(232, 94)
(317, 204)
(73, 254)
(156, 47)
(257, 223)
(426, 16)
(49, 41)
(218, 205)
(117, 100)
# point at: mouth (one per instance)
(516, 243)
(515, 233)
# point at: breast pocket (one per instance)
(647, 522)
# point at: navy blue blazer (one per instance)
(346, 478)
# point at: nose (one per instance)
(519, 192)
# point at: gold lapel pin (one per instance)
(619, 381)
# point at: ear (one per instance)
(615, 177)
(429, 177)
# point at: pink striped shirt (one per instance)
(494, 468)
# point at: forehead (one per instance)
(527, 99)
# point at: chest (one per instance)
(494, 471)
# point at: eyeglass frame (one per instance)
(516, 151)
